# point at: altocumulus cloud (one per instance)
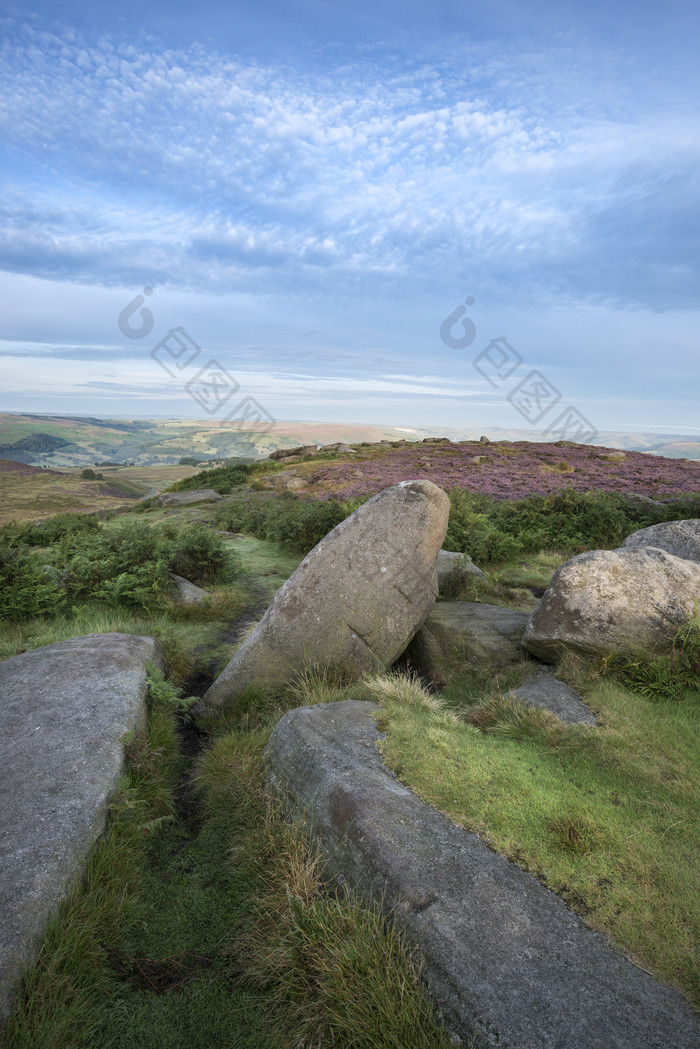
(204, 171)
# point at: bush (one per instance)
(494, 530)
(45, 533)
(222, 479)
(296, 524)
(200, 555)
(27, 588)
(130, 565)
(665, 676)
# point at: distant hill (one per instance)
(76, 441)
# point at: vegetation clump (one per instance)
(126, 566)
(674, 675)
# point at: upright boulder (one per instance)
(65, 709)
(354, 602)
(613, 601)
(680, 538)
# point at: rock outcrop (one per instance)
(680, 538)
(508, 962)
(355, 601)
(285, 453)
(613, 601)
(65, 709)
(203, 495)
(469, 631)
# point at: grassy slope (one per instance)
(35, 494)
(185, 933)
(605, 817)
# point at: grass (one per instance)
(605, 817)
(332, 971)
(191, 925)
(190, 636)
(212, 924)
(32, 496)
(219, 933)
(65, 998)
(264, 563)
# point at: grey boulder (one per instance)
(355, 601)
(619, 601)
(187, 593)
(470, 631)
(546, 691)
(65, 709)
(509, 964)
(204, 495)
(451, 564)
(680, 538)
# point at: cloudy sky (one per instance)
(309, 190)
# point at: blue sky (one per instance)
(310, 189)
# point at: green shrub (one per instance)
(494, 530)
(296, 524)
(27, 588)
(45, 533)
(222, 478)
(199, 554)
(130, 565)
(470, 530)
(662, 676)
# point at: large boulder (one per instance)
(203, 495)
(680, 538)
(508, 962)
(65, 709)
(355, 601)
(468, 631)
(613, 601)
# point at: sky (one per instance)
(409, 213)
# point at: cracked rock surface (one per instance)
(507, 961)
(355, 601)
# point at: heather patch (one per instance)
(507, 471)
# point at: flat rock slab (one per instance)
(470, 630)
(505, 958)
(204, 495)
(64, 710)
(546, 691)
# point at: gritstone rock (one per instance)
(355, 601)
(613, 601)
(65, 709)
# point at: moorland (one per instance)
(205, 916)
